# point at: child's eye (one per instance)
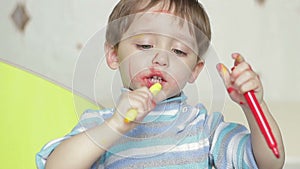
(144, 47)
(179, 52)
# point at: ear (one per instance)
(111, 56)
(196, 71)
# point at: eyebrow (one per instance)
(189, 42)
(178, 36)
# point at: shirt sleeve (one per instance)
(88, 119)
(230, 144)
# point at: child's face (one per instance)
(156, 49)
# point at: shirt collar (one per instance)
(180, 98)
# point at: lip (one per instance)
(154, 73)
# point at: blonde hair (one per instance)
(190, 10)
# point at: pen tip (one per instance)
(276, 152)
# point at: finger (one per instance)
(251, 84)
(149, 99)
(240, 70)
(138, 107)
(140, 100)
(224, 73)
(238, 58)
(243, 78)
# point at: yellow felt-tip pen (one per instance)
(132, 113)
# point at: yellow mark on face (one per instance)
(139, 36)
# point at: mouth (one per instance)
(152, 79)
(155, 79)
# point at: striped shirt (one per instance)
(173, 135)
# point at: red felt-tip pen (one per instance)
(262, 121)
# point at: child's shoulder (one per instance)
(202, 110)
(212, 118)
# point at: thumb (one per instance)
(224, 73)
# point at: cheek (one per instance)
(125, 70)
(124, 75)
(130, 69)
(182, 72)
(178, 80)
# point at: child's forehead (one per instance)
(162, 24)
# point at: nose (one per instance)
(161, 59)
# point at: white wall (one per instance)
(268, 36)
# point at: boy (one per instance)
(164, 43)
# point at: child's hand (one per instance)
(140, 99)
(240, 80)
